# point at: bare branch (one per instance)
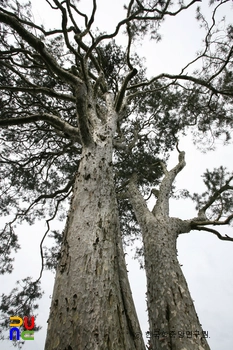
(129, 46)
(198, 81)
(48, 229)
(85, 48)
(65, 189)
(223, 238)
(207, 39)
(143, 92)
(51, 119)
(162, 204)
(79, 12)
(53, 7)
(38, 90)
(195, 222)
(64, 28)
(129, 36)
(134, 16)
(121, 94)
(35, 26)
(91, 21)
(110, 36)
(38, 45)
(68, 4)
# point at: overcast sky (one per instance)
(207, 261)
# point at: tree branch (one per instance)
(14, 22)
(64, 28)
(91, 20)
(162, 204)
(130, 37)
(110, 36)
(223, 238)
(215, 195)
(121, 94)
(66, 189)
(51, 119)
(38, 90)
(137, 201)
(35, 26)
(162, 13)
(195, 222)
(198, 81)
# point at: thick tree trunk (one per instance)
(173, 321)
(92, 306)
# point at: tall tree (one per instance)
(79, 116)
(170, 305)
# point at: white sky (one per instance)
(207, 261)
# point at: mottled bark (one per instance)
(173, 321)
(92, 306)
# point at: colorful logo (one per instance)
(28, 334)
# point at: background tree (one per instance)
(71, 99)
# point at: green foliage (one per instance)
(112, 60)
(217, 199)
(52, 255)
(9, 243)
(20, 301)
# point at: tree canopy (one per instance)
(48, 76)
